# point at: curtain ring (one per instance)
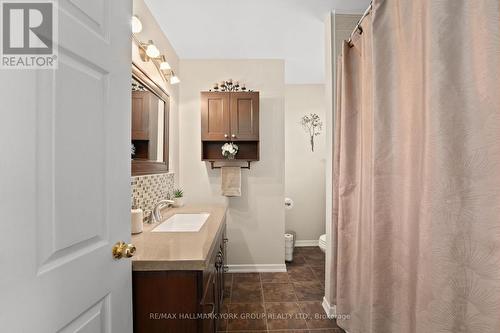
(360, 30)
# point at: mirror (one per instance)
(149, 137)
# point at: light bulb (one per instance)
(174, 79)
(152, 51)
(136, 25)
(164, 65)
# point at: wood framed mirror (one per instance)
(150, 121)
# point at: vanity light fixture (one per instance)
(136, 24)
(174, 79)
(151, 50)
(164, 65)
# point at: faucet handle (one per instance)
(147, 216)
(156, 214)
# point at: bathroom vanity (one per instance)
(178, 277)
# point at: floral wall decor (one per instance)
(312, 125)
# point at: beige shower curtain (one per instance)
(417, 170)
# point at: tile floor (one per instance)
(279, 302)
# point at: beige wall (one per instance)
(304, 169)
(256, 220)
(151, 30)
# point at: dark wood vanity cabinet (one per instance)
(180, 301)
(230, 117)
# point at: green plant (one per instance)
(178, 193)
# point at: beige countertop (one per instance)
(178, 250)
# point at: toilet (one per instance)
(322, 242)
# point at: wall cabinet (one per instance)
(230, 117)
(181, 301)
(143, 102)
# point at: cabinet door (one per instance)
(215, 120)
(244, 116)
(140, 115)
(209, 306)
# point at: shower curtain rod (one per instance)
(358, 25)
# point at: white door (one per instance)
(65, 179)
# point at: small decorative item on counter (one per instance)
(229, 150)
(178, 197)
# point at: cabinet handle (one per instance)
(219, 261)
(233, 136)
(211, 313)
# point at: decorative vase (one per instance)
(179, 202)
(231, 157)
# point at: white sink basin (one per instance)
(183, 223)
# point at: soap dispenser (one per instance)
(137, 216)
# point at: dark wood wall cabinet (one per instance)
(181, 301)
(142, 104)
(230, 117)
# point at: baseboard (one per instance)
(312, 242)
(256, 268)
(330, 310)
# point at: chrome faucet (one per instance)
(156, 214)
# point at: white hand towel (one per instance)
(231, 181)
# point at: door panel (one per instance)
(72, 142)
(244, 116)
(91, 15)
(96, 319)
(66, 136)
(215, 116)
(209, 306)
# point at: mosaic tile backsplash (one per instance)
(149, 189)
